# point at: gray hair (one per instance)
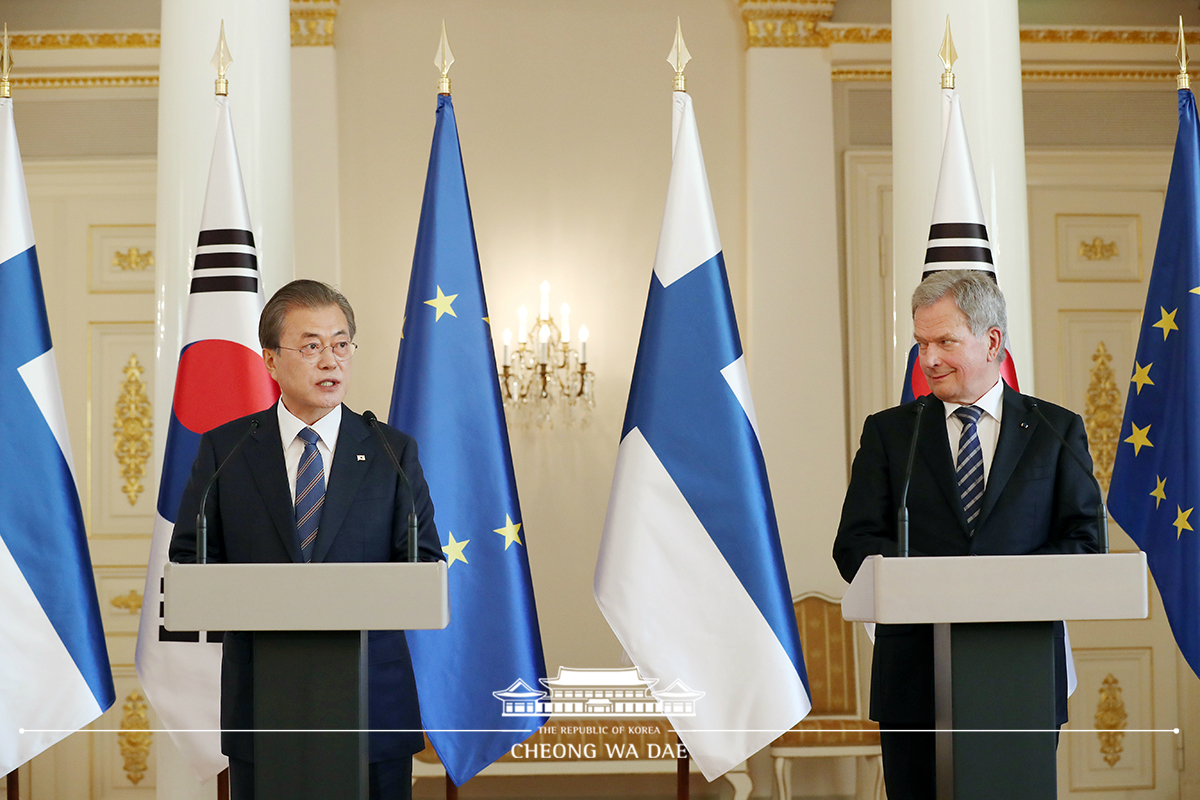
(301, 293)
(977, 296)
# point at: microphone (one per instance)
(902, 513)
(201, 517)
(1101, 509)
(373, 421)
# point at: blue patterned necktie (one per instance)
(969, 466)
(310, 494)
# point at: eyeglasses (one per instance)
(312, 352)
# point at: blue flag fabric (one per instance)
(1156, 475)
(54, 671)
(447, 397)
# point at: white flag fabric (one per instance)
(690, 574)
(54, 671)
(221, 377)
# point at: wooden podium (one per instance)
(994, 619)
(310, 624)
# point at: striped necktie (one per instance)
(310, 494)
(969, 466)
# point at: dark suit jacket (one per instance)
(251, 520)
(1037, 500)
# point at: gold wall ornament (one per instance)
(131, 602)
(133, 429)
(1098, 250)
(786, 23)
(78, 40)
(1111, 719)
(313, 27)
(94, 82)
(884, 75)
(1102, 415)
(133, 260)
(135, 737)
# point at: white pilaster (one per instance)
(260, 97)
(793, 331)
(988, 79)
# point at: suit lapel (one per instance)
(345, 477)
(934, 447)
(264, 454)
(1016, 429)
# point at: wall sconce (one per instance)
(545, 378)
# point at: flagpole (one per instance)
(678, 58)
(11, 780)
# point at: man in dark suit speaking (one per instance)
(988, 479)
(311, 484)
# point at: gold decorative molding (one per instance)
(133, 260)
(131, 602)
(884, 75)
(313, 26)
(79, 40)
(1111, 719)
(1101, 35)
(135, 737)
(1098, 250)
(1102, 415)
(786, 23)
(90, 82)
(133, 429)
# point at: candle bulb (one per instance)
(566, 324)
(507, 342)
(544, 311)
(544, 336)
(583, 337)
(522, 318)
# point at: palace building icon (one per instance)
(619, 692)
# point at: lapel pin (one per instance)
(361, 457)
(1023, 425)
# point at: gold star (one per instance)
(1167, 323)
(1181, 521)
(1138, 439)
(509, 531)
(1195, 291)
(403, 320)
(454, 551)
(1158, 494)
(442, 304)
(1141, 375)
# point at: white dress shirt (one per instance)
(988, 427)
(293, 446)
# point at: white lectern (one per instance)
(994, 619)
(310, 624)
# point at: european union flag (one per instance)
(1156, 476)
(447, 397)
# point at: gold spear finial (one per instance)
(679, 57)
(1181, 80)
(948, 56)
(5, 66)
(221, 60)
(442, 59)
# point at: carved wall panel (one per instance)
(119, 590)
(1116, 698)
(121, 259)
(1099, 247)
(123, 758)
(121, 485)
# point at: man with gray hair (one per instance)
(988, 479)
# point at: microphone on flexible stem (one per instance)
(1101, 509)
(201, 517)
(373, 421)
(902, 513)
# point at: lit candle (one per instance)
(522, 318)
(583, 337)
(566, 326)
(544, 336)
(507, 342)
(544, 311)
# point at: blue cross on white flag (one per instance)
(54, 672)
(690, 575)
